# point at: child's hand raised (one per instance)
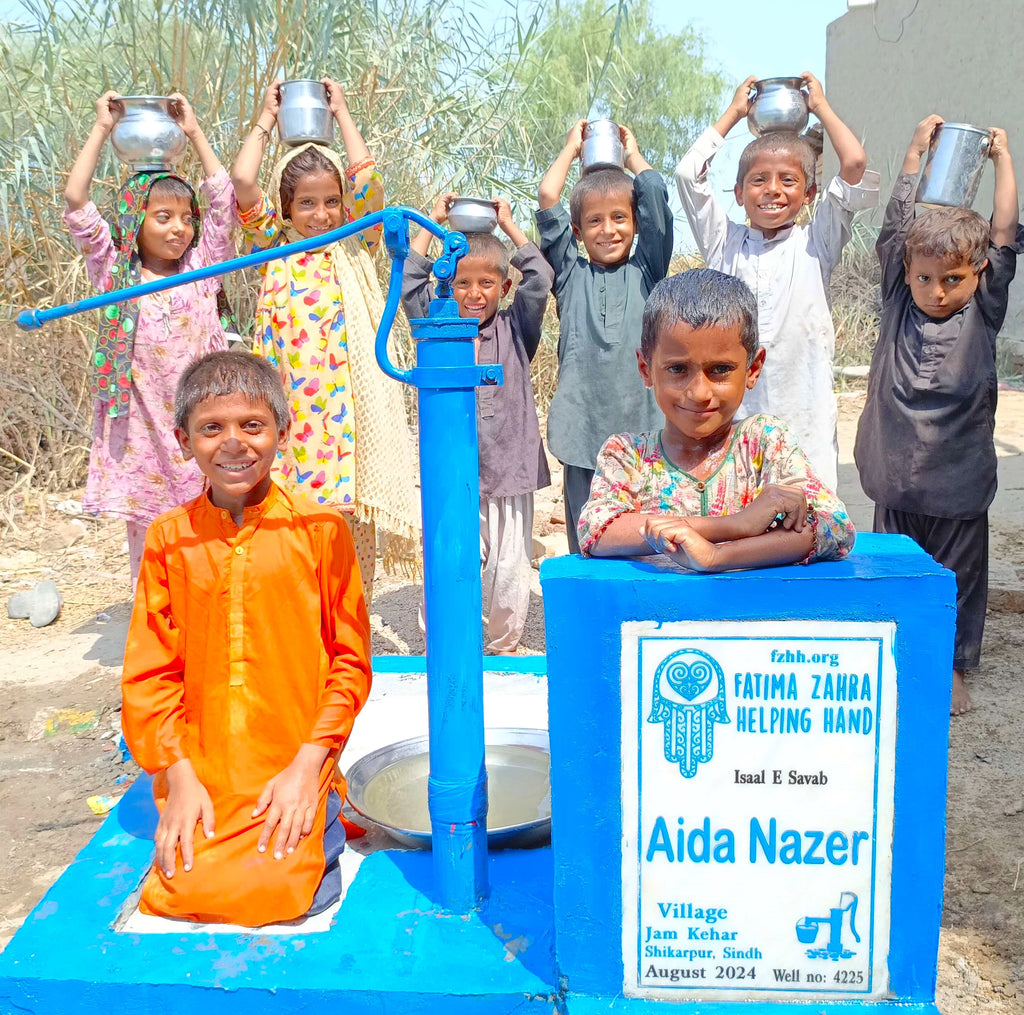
(922, 139)
(999, 145)
(504, 210)
(272, 99)
(815, 93)
(574, 139)
(187, 804)
(335, 96)
(439, 213)
(741, 100)
(629, 145)
(290, 801)
(108, 110)
(182, 111)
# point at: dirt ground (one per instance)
(59, 715)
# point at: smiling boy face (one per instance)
(607, 226)
(234, 442)
(774, 190)
(478, 287)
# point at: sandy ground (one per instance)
(59, 701)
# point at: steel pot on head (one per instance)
(146, 136)
(956, 162)
(779, 104)
(602, 146)
(472, 215)
(305, 115)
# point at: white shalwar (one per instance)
(506, 541)
(788, 276)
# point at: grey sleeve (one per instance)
(526, 315)
(899, 217)
(417, 290)
(557, 242)
(653, 227)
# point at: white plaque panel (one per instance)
(757, 809)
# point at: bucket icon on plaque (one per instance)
(807, 929)
(688, 697)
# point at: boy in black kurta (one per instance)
(924, 443)
(512, 462)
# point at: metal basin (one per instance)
(472, 215)
(956, 163)
(388, 787)
(779, 104)
(146, 136)
(305, 115)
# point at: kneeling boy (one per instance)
(247, 660)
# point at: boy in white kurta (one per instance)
(786, 266)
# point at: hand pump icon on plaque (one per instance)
(807, 930)
(688, 697)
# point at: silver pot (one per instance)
(472, 215)
(956, 162)
(146, 137)
(305, 115)
(388, 787)
(602, 146)
(779, 104)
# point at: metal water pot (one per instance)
(472, 215)
(779, 104)
(956, 161)
(305, 115)
(602, 146)
(146, 137)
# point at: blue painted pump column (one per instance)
(447, 377)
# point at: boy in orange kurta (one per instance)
(247, 660)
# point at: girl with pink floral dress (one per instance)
(136, 469)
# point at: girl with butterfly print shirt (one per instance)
(316, 321)
(136, 469)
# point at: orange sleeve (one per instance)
(345, 628)
(152, 683)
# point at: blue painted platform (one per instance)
(388, 950)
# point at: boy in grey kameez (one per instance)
(924, 443)
(512, 461)
(600, 305)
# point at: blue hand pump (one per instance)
(446, 376)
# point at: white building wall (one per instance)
(892, 62)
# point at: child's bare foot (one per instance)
(961, 699)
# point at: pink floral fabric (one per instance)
(136, 470)
(635, 475)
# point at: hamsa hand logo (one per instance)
(689, 698)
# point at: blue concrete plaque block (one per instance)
(748, 780)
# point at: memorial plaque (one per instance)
(758, 762)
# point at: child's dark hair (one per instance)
(948, 233)
(172, 186)
(489, 248)
(229, 372)
(603, 182)
(776, 142)
(307, 162)
(701, 298)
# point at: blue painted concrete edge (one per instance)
(581, 1004)
(492, 664)
(389, 949)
